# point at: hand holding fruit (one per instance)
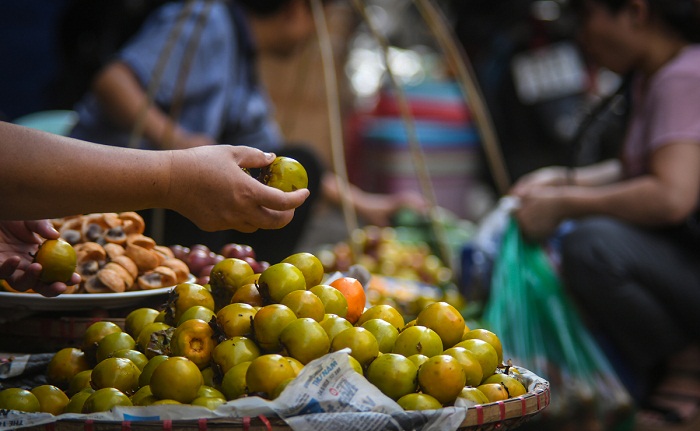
(218, 194)
(19, 241)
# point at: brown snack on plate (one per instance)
(128, 264)
(144, 258)
(95, 284)
(132, 222)
(141, 240)
(91, 256)
(85, 251)
(113, 250)
(157, 278)
(115, 235)
(94, 226)
(111, 220)
(165, 251)
(123, 273)
(182, 271)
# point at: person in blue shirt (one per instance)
(209, 93)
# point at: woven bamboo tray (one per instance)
(501, 415)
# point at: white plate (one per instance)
(79, 301)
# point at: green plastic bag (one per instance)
(540, 329)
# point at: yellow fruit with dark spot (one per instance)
(266, 372)
(362, 344)
(470, 363)
(489, 337)
(79, 382)
(444, 319)
(394, 375)
(472, 394)
(233, 384)
(514, 386)
(310, 266)
(58, 261)
(177, 378)
(385, 312)
(76, 402)
(419, 401)
(494, 391)
(286, 174)
(441, 376)
(137, 319)
(484, 352)
(105, 399)
(118, 373)
(19, 399)
(64, 365)
(51, 399)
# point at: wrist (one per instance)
(569, 177)
(174, 167)
(562, 176)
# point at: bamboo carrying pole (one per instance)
(440, 27)
(334, 119)
(417, 155)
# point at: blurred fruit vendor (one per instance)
(209, 93)
(632, 260)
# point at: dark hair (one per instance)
(682, 16)
(262, 7)
(265, 7)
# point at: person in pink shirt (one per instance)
(632, 258)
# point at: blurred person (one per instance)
(632, 256)
(45, 176)
(222, 101)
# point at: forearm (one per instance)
(605, 172)
(44, 175)
(643, 201)
(123, 98)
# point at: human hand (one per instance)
(543, 177)
(209, 186)
(19, 241)
(378, 209)
(539, 213)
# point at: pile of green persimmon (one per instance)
(250, 334)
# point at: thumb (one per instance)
(253, 158)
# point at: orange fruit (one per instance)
(354, 293)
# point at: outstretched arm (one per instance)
(45, 176)
(664, 197)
